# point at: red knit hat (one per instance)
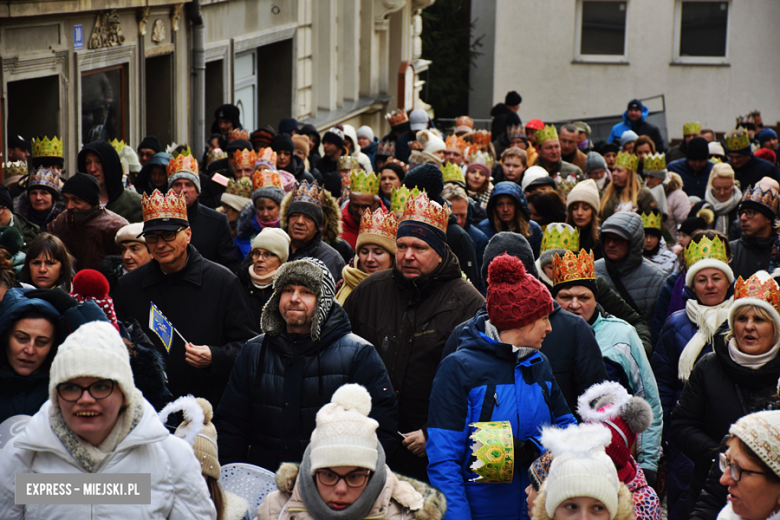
(514, 297)
(766, 154)
(89, 284)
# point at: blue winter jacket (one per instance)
(641, 127)
(694, 183)
(370, 151)
(523, 392)
(516, 192)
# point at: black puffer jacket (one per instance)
(211, 236)
(718, 393)
(268, 419)
(749, 255)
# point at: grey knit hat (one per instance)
(594, 162)
(269, 192)
(513, 244)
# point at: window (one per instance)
(603, 29)
(703, 29)
(103, 104)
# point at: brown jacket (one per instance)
(578, 160)
(91, 239)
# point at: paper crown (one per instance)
(482, 138)
(564, 185)
(420, 209)
(215, 155)
(454, 141)
(238, 134)
(452, 173)
(464, 121)
(386, 148)
(737, 139)
(267, 155)
(493, 452)
(307, 193)
(348, 162)
(655, 162)
(379, 223)
(362, 182)
(765, 289)
(397, 117)
(651, 221)
(481, 158)
(766, 198)
(548, 133)
(184, 151)
(163, 206)
(266, 179)
(244, 158)
(46, 148)
(715, 159)
(573, 267)
(705, 249)
(627, 161)
(14, 168)
(515, 131)
(400, 196)
(182, 163)
(560, 236)
(241, 187)
(44, 177)
(118, 145)
(691, 128)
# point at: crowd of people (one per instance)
(397, 326)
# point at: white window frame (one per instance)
(599, 58)
(697, 60)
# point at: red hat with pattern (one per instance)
(514, 297)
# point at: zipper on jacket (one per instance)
(547, 401)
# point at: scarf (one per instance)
(583, 145)
(492, 332)
(750, 361)
(261, 281)
(263, 225)
(707, 320)
(352, 277)
(359, 509)
(722, 209)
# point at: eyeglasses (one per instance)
(330, 479)
(265, 254)
(749, 213)
(168, 236)
(72, 392)
(736, 471)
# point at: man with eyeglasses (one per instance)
(201, 299)
(757, 213)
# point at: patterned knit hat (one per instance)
(91, 285)
(515, 298)
(761, 432)
(539, 469)
(345, 435)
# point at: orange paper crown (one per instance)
(267, 179)
(182, 163)
(420, 209)
(238, 134)
(267, 155)
(572, 267)
(456, 142)
(760, 286)
(163, 206)
(464, 121)
(397, 117)
(244, 157)
(379, 223)
(482, 138)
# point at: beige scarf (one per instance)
(261, 281)
(352, 277)
(707, 320)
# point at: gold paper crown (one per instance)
(651, 221)
(715, 159)
(573, 267)
(737, 139)
(118, 145)
(386, 148)
(241, 187)
(182, 163)
(766, 198)
(267, 155)
(564, 185)
(481, 158)
(560, 236)
(452, 173)
(464, 121)
(44, 177)
(47, 148)
(403, 165)
(238, 134)
(548, 133)
(362, 182)
(627, 161)
(397, 117)
(691, 128)
(493, 451)
(482, 138)
(348, 162)
(14, 168)
(244, 157)
(400, 196)
(705, 249)
(163, 206)
(655, 162)
(766, 289)
(267, 179)
(379, 223)
(515, 131)
(420, 209)
(454, 141)
(307, 193)
(215, 155)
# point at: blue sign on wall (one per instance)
(78, 37)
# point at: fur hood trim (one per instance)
(193, 416)
(236, 507)
(625, 509)
(246, 221)
(591, 402)
(331, 214)
(284, 207)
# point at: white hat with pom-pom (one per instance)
(345, 435)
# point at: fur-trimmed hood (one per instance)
(331, 224)
(625, 505)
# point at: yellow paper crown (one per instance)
(627, 161)
(737, 139)
(215, 155)
(455, 142)
(452, 173)
(118, 145)
(548, 133)
(348, 162)
(715, 159)
(705, 249)
(307, 193)
(399, 197)
(691, 128)
(182, 163)
(163, 206)
(184, 151)
(760, 286)
(379, 223)
(493, 452)
(241, 187)
(397, 117)
(560, 236)
(47, 148)
(655, 162)
(420, 209)
(564, 185)
(244, 157)
(362, 182)
(651, 221)
(14, 168)
(267, 179)
(573, 267)
(238, 134)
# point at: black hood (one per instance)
(500, 109)
(112, 168)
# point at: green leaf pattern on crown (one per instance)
(627, 161)
(651, 220)
(705, 249)
(548, 133)
(692, 128)
(560, 236)
(452, 173)
(47, 147)
(737, 139)
(400, 196)
(564, 185)
(655, 162)
(241, 187)
(362, 182)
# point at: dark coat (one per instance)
(211, 236)
(22, 395)
(749, 255)
(147, 364)
(753, 171)
(27, 229)
(124, 203)
(206, 303)
(211, 191)
(280, 382)
(694, 182)
(515, 191)
(331, 178)
(462, 245)
(316, 248)
(298, 168)
(713, 498)
(498, 125)
(23, 208)
(616, 306)
(660, 313)
(255, 296)
(92, 239)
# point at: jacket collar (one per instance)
(448, 269)
(481, 341)
(192, 271)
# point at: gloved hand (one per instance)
(526, 452)
(61, 300)
(651, 477)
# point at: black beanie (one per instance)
(151, 142)
(429, 178)
(512, 119)
(513, 244)
(513, 98)
(11, 240)
(698, 149)
(85, 187)
(238, 144)
(283, 143)
(5, 198)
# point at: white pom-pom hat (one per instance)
(345, 435)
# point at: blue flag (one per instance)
(161, 326)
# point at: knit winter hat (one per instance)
(766, 154)
(595, 161)
(625, 415)
(287, 125)
(765, 135)
(629, 136)
(431, 143)
(698, 149)
(345, 435)
(715, 148)
(539, 469)
(513, 244)
(301, 143)
(91, 285)
(334, 136)
(85, 187)
(94, 350)
(532, 174)
(274, 240)
(515, 298)
(151, 142)
(6, 201)
(282, 143)
(512, 98)
(580, 466)
(585, 191)
(11, 240)
(427, 178)
(760, 431)
(365, 131)
(269, 192)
